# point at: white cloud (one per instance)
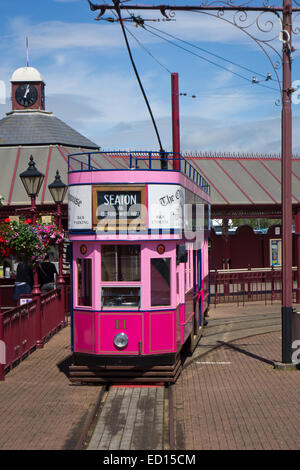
(59, 35)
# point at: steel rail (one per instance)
(171, 419)
(84, 436)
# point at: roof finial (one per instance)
(27, 56)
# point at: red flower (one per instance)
(7, 220)
(28, 221)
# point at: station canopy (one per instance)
(243, 178)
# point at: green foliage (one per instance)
(256, 223)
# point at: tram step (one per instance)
(112, 369)
(125, 374)
(124, 381)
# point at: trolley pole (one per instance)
(286, 185)
(175, 120)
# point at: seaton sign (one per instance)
(119, 207)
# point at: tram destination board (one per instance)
(119, 207)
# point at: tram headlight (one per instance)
(121, 340)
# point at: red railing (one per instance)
(6, 296)
(244, 285)
(26, 327)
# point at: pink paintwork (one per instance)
(135, 177)
(95, 327)
(151, 330)
(110, 324)
(162, 332)
(84, 332)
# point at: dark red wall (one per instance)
(244, 248)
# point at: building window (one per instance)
(160, 282)
(84, 282)
(121, 263)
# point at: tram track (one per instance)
(111, 420)
(91, 422)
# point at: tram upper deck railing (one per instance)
(99, 161)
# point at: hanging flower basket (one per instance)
(27, 242)
(50, 234)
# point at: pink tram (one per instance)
(140, 268)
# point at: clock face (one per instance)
(26, 95)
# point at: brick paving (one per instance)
(228, 396)
(39, 407)
(232, 398)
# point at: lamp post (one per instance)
(58, 191)
(32, 180)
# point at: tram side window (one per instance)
(160, 282)
(84, 282)
(121, 263)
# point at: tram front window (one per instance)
(121, 263)
(160, 282)
(121, 297)
(84, 282)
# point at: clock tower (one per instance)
(28, 89)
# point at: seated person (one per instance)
(46, 273)
(24, 280)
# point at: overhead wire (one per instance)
(206, 59)
(146, 50)
(116, 3)
(165, 68)
(208, 52)
(197, 55)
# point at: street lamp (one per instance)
(32, 180)
(58, 191)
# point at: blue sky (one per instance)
(91, 86)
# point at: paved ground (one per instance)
(233, 398)
(227, 397)
(39, 408)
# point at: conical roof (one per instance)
(39, 128)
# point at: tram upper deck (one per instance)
(132, 192)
